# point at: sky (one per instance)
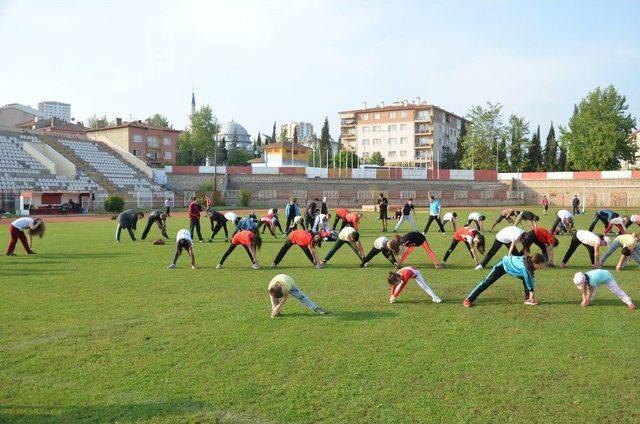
(296, 60)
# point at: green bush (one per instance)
(245, 196)
(113, 204)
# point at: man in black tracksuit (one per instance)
(310, 213)
(128, 220)
(220, 223)
(158, 217)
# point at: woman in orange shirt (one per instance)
(250, 241)
(340, 214)
(352, 220)
(307, 243)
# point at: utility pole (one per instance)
(215, 164)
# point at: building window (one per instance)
(422, 115)
(403, 153)
(403, 140)
(167, 155)
(392, 114)
(392, 154)
(392, 141)
(137, 138)
(392, 127)
(376, 115)
(137, 152)
(365, 142)
(166, 141)
(376, 128)
(403, 114)
(152, 141)
(365, 129)
(365, 116)
(403, 127)
(377, 142)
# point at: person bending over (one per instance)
(352, 220)
(508, 237)
(450, 217)
(521, 267)
(280, 287)
(505, 214)
(410, 241)
(388, 247)
(629, 244)
(17, 228)
(321, 223)
(218, 222)
(565, 218)
(160, 219)
(251, 243)
(633, 219)
(545, 241)
(128, 220)
(350, 236)
(399, 279)
(268, 221)
(472, 239)
(184, 242)
(588, 283)
(475, 217)
(604, 216)
(618, 222)
(528, 217)
(340, 216)
(591, 241)
(307, 243)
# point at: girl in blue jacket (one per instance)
(522, 267)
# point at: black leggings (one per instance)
(231, 249)
(542, 246)
(454, 243)
(600, 218)
(469, 221)
(494, 249)
(285, 248)
(219, 225)
(338, 244)
(150, 223)
(493, 276)
(374, 252)
(572, 248)
(335, 222)
(431, 219)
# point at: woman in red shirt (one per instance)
(352, 220)
(307, 243)
(399, 279)
(544, 240)
(250, 241)
(340, 215)
(471, 238)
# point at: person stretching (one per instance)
(128, 220)
(218, 222)
(268, 222)
(321, 223)
(591, 241)
(350, 236)
(505, 214)
(232, 217)
(307, 243)
(471, 238)
(291, 211)
(250, 241)
(194, 218)
(450, 217)
(477, 218)
(388, 248)
(352, 220)
(633, 219)
(618, 222)
(410, 241)
(434, 215)
(522, 267)
(529, 217)
(280, 287)
(508, 237)
(629, 245)
(246, 224)
(34, 226)
(604, 216)
(399, 279)
(588, 283)
(160, 219)
(311, 212)
(184, 242)
(545, 241)
(407, 211)
(565, 218)
(340, 216)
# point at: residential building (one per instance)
(304, 130)
(405, 133)
(283, 154)
(59, 110)
(154, 145)
(14, 114)
(55, 126)
(634, 138)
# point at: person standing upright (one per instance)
(383, 206)
(291, 211)
(434, 215)
(576, 205)
(407, 210)
(194, 218)
(545, 205)
(310, 213)
(167, 207)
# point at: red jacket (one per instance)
(194, 210)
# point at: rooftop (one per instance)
(285, 144)
(406, 105)
(133, 124)
(22, 108)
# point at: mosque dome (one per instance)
(233, 131)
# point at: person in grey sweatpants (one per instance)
(128, 220)
(630, 241)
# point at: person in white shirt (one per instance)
(591, 241)
(508, 237)
(633, 219)
(450, 217)
(388, 247)
(565, 218)
(34, 226)
(350, 236)
(321, 223)
(233, 217)
(167, 206)
(184, 242)
(477, 218)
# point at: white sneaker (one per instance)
(366, 265)
(255, 266)
(392, 299)
(437, 300)
(219, 266)
(172, 266)
(478, 267)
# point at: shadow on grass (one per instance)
(81, 255)
(26, 272)
(342, 315)
(595, 302)
(112, 413)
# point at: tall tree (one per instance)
(159, 121)
(518, 131)
(450, 159)
(295, 134)
(273, 134)
(196, 144)
(283, 134)
(551, 150)
(562, 159)
(346, 159)
(376, 159)
(535, 160)
(96, 122)
(258, 144)
(484, 134)
(325, 142)
(597, 135)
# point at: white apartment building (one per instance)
(404, 133)
(305, 130)
(59, 110)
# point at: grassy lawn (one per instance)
(99, 332)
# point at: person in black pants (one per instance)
(310, 213)
(194, 218)
(576, 205)
(431, 219)
(291, 211)
(323, 206)
(220, 224)
(383, 206)
(129, 220)
(529, 217)
(604, 216)
(159, 218)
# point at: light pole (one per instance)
(215, 164)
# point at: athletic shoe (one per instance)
(530, 302)
(11, 254)
(200, 241)
(219, 266)
(392, 299)
(320, 265)
(172, 266)
(467, 303)
(272, 266)
(437, 300)
(631, 306)
(31, 253)
(479, 266)
(444, 232)
(319, 311)
(255, 266)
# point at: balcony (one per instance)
(348, 122)
(424, 129)
(423, 143)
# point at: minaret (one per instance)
(193, 101)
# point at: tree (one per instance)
(258, 144)
(597, 135)
(273, 134)
(518, 131)
(238, 157)
(325, 142)
(536, 161)
(196, 143)
(450, 159)
(283, 134)
(482, 137)
(295, 134)
(562, 159)
(159, 121)
(376, 159)
(346, 159)
(96, 122)
(551, 151)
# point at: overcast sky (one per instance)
(263, 61)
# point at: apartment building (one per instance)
(154, 145)
(58, 110)
(405, 133)
(304, 129)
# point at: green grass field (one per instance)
(99, 332)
